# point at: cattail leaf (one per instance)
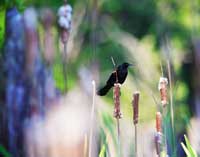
(2, 24)
(189, 147)
(103, 150)
(186, 150)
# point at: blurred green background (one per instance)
(147, 33)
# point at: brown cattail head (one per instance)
(47, 19)
(31, 37)
(135, 104)
(162, 87)
(158, 122)
(116, 97)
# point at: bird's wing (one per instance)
(112, 78)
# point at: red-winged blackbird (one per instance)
(119, 75)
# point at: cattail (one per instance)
(64, 21)
(158, 136)
(135, 103)
(158, 122)
(47, 19)
(117, 112)
(162, 87)
(32, 43)
(116, 97)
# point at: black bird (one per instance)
(119, 75)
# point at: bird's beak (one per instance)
(130, 65)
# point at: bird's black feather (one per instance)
(119, 75)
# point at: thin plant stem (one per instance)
(114, 64)
(65, 66)
(154, 99)
(118, 138)
(136, 154)
(85, 145)
(92, 118)
(161, 68)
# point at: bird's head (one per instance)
(126, 65)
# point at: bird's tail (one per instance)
(103, 91)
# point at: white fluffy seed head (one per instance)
(161, 81)
(68, 8)
(69, 16)
(64, 9)
(64, 23)
(65, 16)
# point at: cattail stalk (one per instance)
(92, 118)
(65, 66)
(64, 39)
(85, 146)
(117, 112)
(135, 104)
(114, 64)
(64, 21)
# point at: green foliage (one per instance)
(188, 148)
(107, 134)
(135, 17)
(59, 76)
(20, 4)
(4, 152)
(168, 129)
(2, 24)
(102, 151)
